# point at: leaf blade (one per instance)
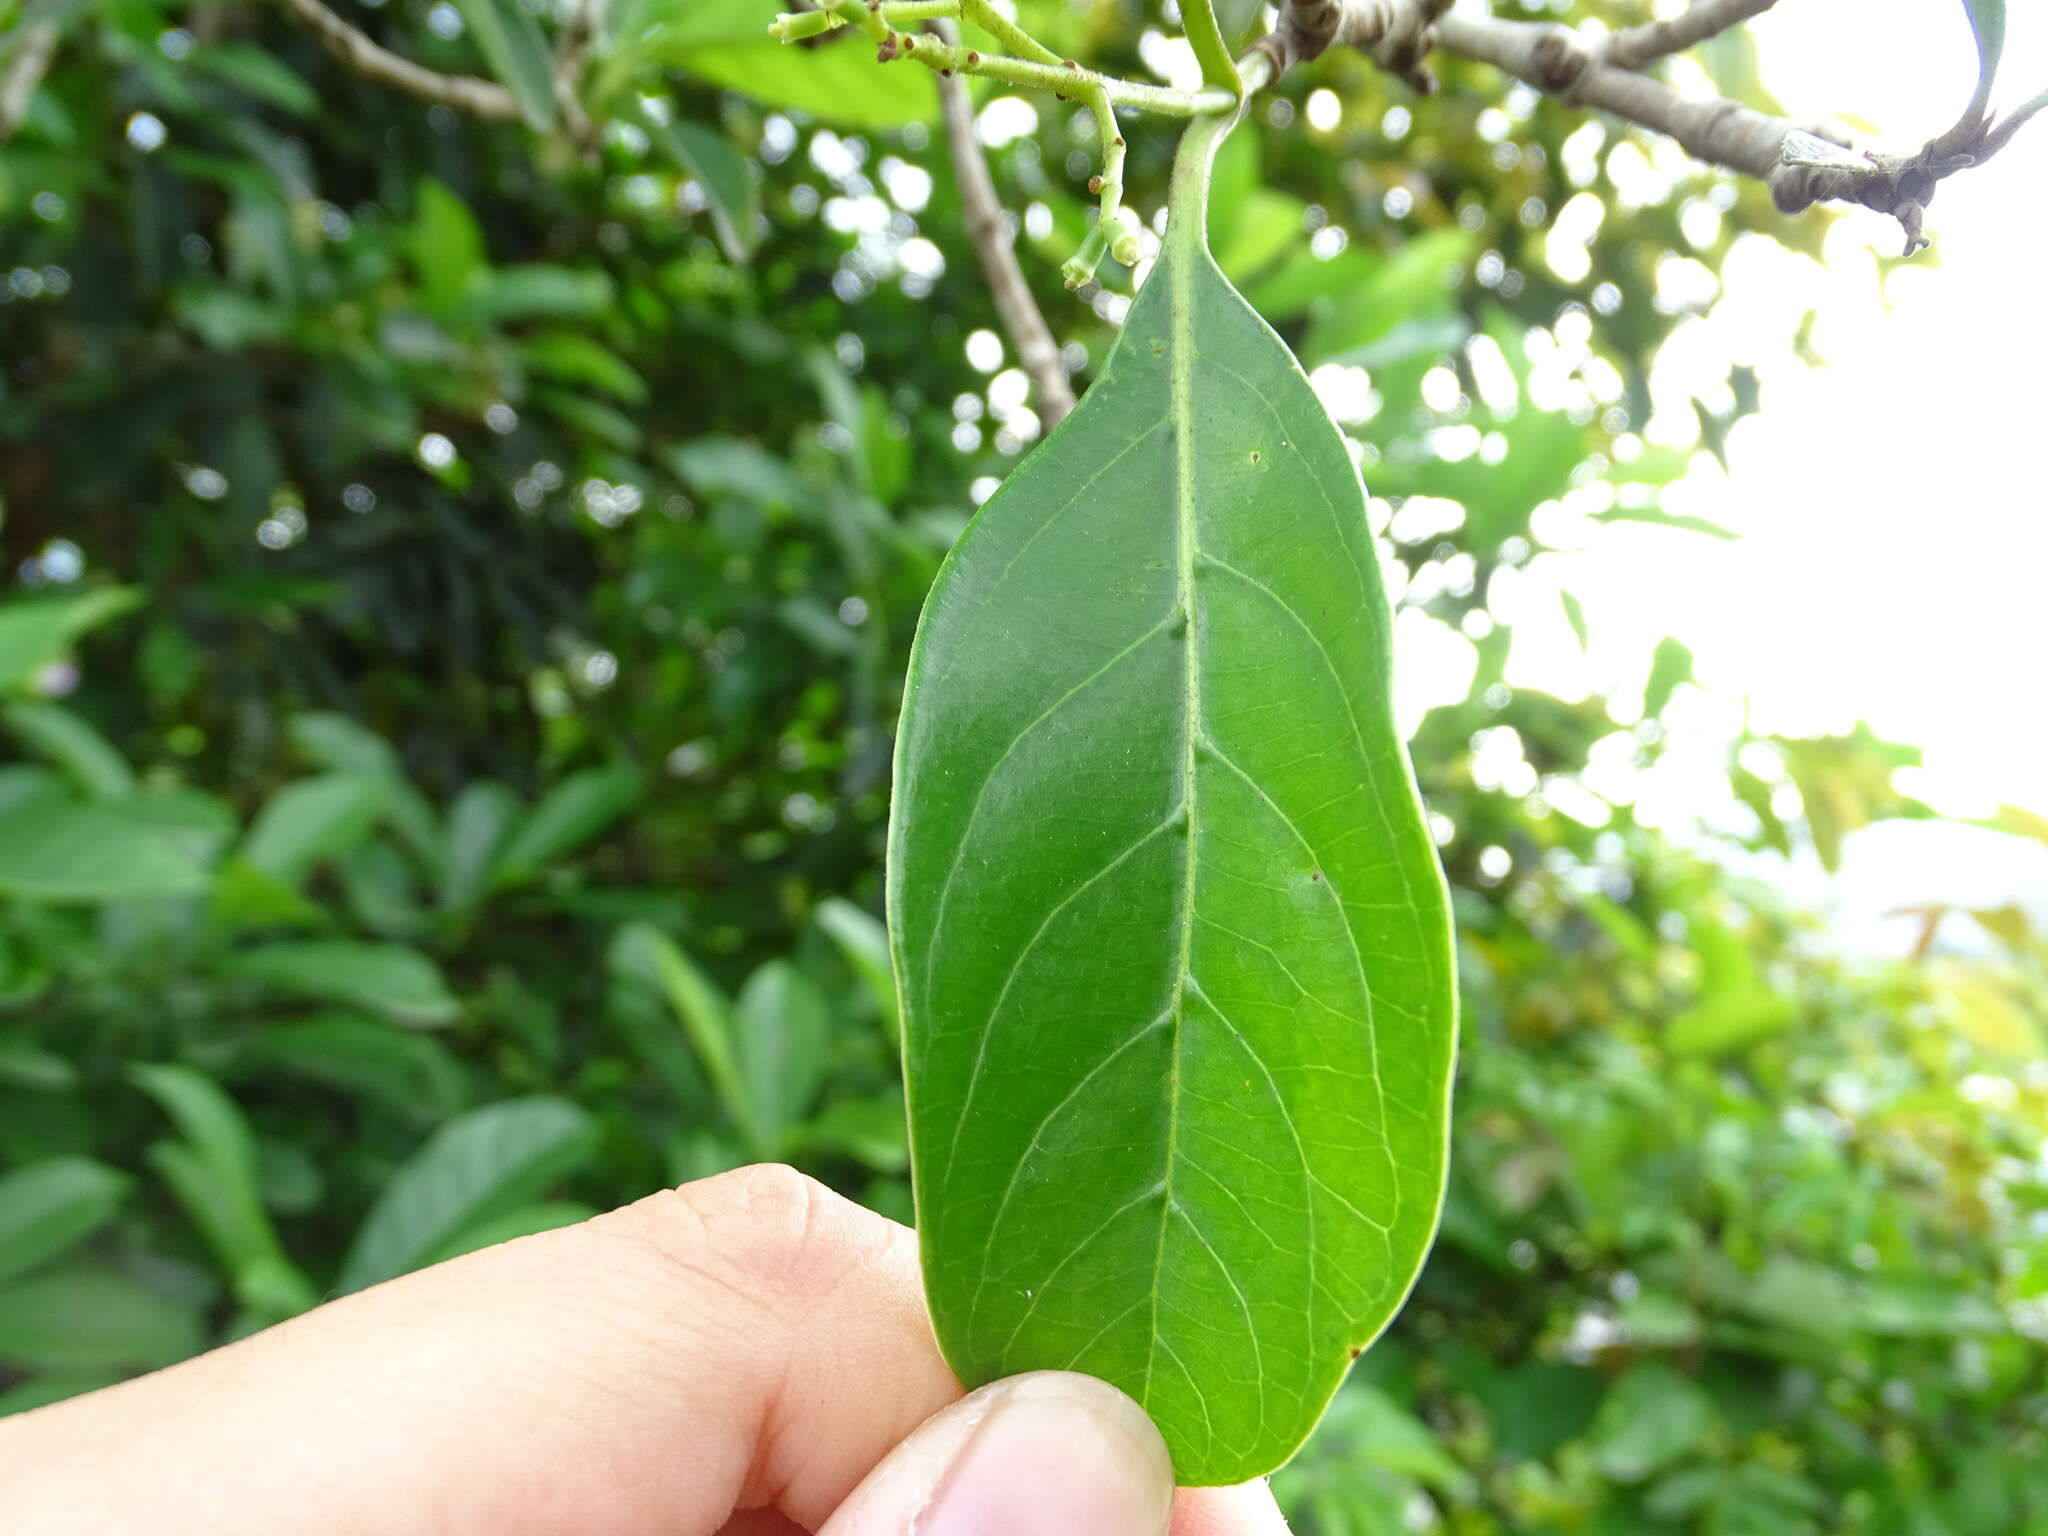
(1170, 891)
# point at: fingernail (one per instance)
(1056, 1454)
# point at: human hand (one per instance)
(746, 1355)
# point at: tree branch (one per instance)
(24, 72)
(1635, 47)
(1399, 34)
(1036, 350)
(466, 93)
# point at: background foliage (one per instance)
(457, 590)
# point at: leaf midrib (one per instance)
(1186, 248)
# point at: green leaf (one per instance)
(567, 817)
(1669, 666)
(336, 742)
(865, 944)
(1174, 942)
(478, 822)
(36, 633)
(836, 79)
(409, 1074)
(71, 852)
(512, 44)
(66, 739)
(474, 1169)
(1652, 1416)
(391, 980)
(310, 821)
(721, 171)
(92, 1319)
(783, 1031)
(447, 249)
(47, 1208)
(706, 1017)
(213, 1172)
(576, 359)
(253, 70)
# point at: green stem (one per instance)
(1198, 21)
(1005, 31)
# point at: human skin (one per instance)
(746, 1355)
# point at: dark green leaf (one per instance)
(1174, 943)
(474, 1169)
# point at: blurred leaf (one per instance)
(707, 1018)
(391, 980)
(408, 1074)
(49, 1207)
(88, 1319)
(1670, 666)
(721, 171)
(478, 824)
(1663, 519)
(72, 852)
(512, 44)
(865, 943)
(871, 1131)
(1650, 1418)
(781, 1031)
(253, 70)
(576, 359)
(310, 821)
(836, 80)
(476, 1168)
(213, 1172)
(37, 632)
(63, 737)
(566, 817)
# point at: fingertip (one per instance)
(1248, 1509)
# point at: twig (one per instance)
(24, 73)
(1036, 350)
(1635, 47)
(466, 93)
(1399, 34)
(572, 57)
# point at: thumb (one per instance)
(1047, 1454)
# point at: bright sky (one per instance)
(1893, 505)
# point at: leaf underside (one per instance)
(1173, 943)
